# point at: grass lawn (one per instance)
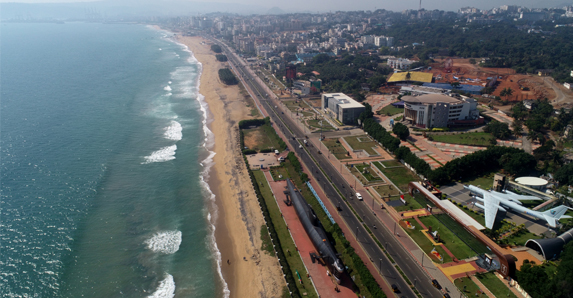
(483, 182)
(411, 204)
(495, 285)
(276, 171)
(294, 106)
(470, 138)
(458, 248)
(362, 142)
(370, 174)
(356, 173)
(471, 289)
(315, 123)
(336, 148)
(386, 190)
(294, 260)
(400, 176)
(390, 110)
(520, 238)
(425, 243)
(267, 244)
(391, 163)
(479, 217)
(461, 233)
(262, 137)
(531, 203)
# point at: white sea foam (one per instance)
(169, 82)
(174, 131)
(161, 155)
(166, 242)
(166, 288)
(167, 88)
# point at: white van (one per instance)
(359, 196)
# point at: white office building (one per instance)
(399, 63)
(341, 107)
(439, 110)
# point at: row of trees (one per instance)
(513, 160)
(498, 129)
(227, 76)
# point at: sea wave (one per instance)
(161, 155)
(166, 242)
(166, 288)
(174, 131)
(167, 88)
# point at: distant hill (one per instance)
(275, 10)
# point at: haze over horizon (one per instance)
(261, 6)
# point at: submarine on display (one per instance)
(316, 232)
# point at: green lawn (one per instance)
(315, 123)
(386, 190)
(362, 142)
(483, 182)
(336, 148)
(287, 244)
(263, 137)
(411, 204)
(293, 105)
(425, 243)
(471, 289)
(495, 285)
(520, 238)
(479, 217)
(400, 176)
(370, 174)
(458, 248)
(276, 171)
(391, 163)
(462, 233)
(390, 110)
(470, 138)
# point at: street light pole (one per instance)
(394, 228)
(356, 233)
(380, 265)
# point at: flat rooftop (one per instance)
(430, 99)
(344, 101)
(415, 76)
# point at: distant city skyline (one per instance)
(328, 5)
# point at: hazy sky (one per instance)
(333, 5)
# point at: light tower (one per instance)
(420, 5)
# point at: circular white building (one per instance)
(532, 182)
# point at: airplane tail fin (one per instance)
(554, 214)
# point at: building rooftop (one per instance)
(414, 76)
(344, 101)
(430, 99)
(532, 181)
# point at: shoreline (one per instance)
(250, 272)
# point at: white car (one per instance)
(359, 196)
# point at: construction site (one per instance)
(530, 86)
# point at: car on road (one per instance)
(436, 284)
(359, 196)
(395, 288)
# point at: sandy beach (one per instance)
(250, 271)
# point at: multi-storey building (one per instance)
(341, 107)
(438, 110)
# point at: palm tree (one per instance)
(517, 127)
(408, 76)
(507, 92)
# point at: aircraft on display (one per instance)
(494, 201)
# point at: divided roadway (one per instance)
(311, 157)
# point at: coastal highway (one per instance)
(311, 157)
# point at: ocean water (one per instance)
(104, 155)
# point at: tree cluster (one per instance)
(504, 43)
(379, 133)
(216, 48)
(420, 165)
(498, 129)
(243, 124)
(535, 280)
(221, 57)
(227, 76)
(515, 161)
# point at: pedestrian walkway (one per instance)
(481, 286)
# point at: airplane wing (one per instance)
(511, 196)
(490, 209)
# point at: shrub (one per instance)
(216, 48)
